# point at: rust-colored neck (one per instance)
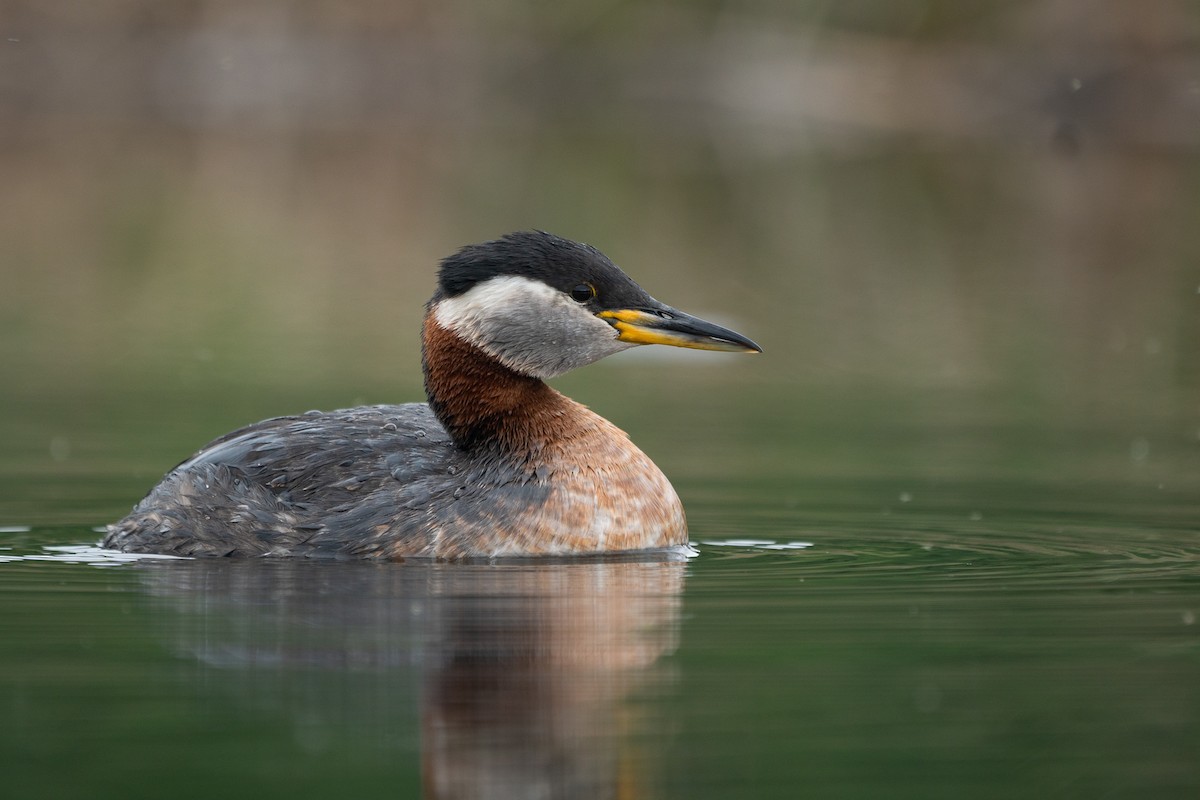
(484, 404)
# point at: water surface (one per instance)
(948, 523)
(850, 637)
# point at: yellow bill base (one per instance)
(638, 327)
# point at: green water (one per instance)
(901, 625)
(947, 524)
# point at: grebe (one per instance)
(497, 463)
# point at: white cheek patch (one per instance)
(528, 326)
(501, 296)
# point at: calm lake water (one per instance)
(947, 525)
(900, 626)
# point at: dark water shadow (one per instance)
(528, 679)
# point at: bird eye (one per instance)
(583, 292)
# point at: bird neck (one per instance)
(485, 405)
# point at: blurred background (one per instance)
(968, 226)
(965, 232)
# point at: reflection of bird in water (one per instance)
(526, 674)
(537, 705)
(497, 463)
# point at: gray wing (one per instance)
(294, 485)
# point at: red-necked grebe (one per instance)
(497, 463)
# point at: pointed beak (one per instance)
(665, 325)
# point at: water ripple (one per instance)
(86, 554)
(943, 557)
